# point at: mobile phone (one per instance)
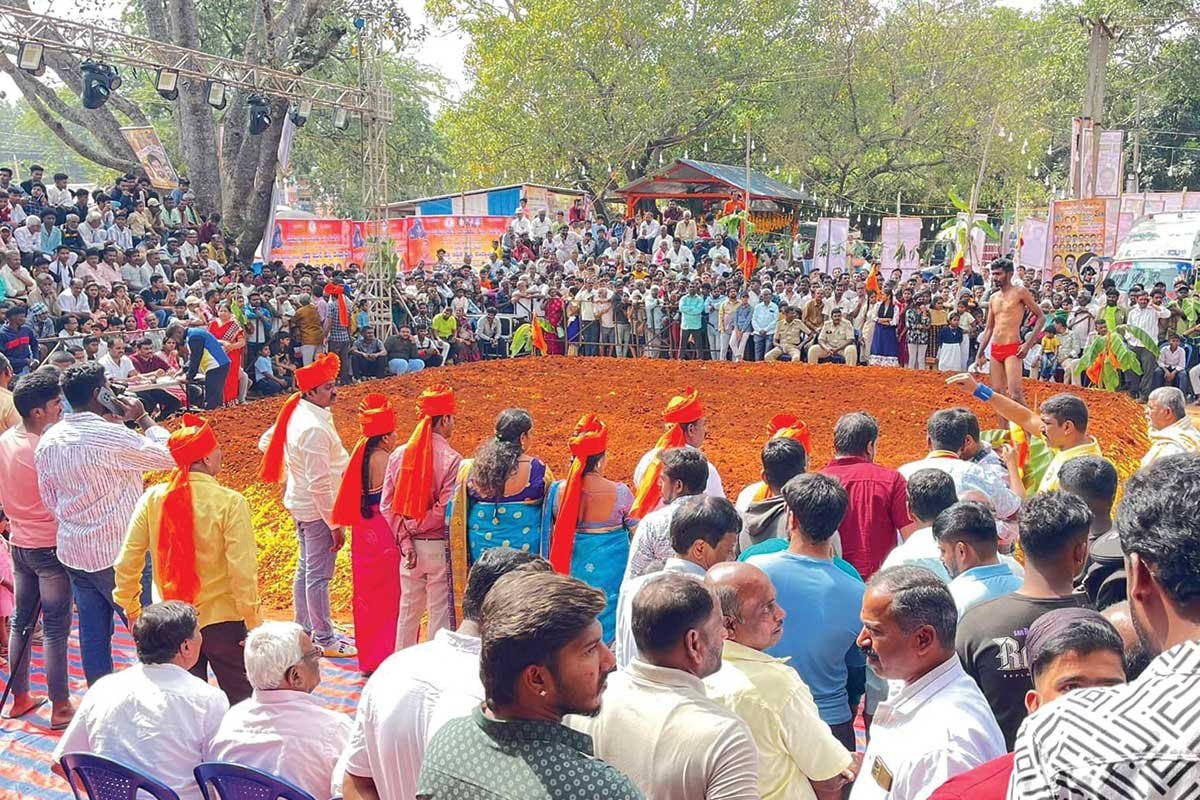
(109, 400)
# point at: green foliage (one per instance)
(1040, 454)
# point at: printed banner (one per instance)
(310, 241)
(901, 245)
(1078, 230)
(1108, 163)
(152, 155)
(829, 250)
(422, 237)
(1033, 243)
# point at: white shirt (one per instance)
(314, 460)
(1147, 320)
(59, 198)
(116, 371)
(406, 701)
(625, 648)
(286, 733)
(652, 540)
(90, 476)
(714, 487)
(93, 236)
(934, 728)
(681, 258)
(121, 237)
(539, 227)
(28, 240)
(968, 475)
(920, 549)
(156, 718)
(658, 726)
(1172, 359)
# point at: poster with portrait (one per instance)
(152, 155)
(1078, 228)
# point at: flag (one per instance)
(872, 284)
(537, 337)
(959, 263)
(747, 261)
(1020, 441)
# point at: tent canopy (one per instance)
(685, 179)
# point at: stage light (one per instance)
(166, 83)
(341, 119)
(31, 58)
(300, 113)
(215, 94)
(260, 114)
(99, 81)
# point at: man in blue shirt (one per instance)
(766, 316)
(17, 340)
(205, 354)
(966, 536)
(691, 312)
(811, 587)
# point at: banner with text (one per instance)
(829, 249)
(901, 245)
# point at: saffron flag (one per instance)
(537, 336)
(872, 284)
(959, 263)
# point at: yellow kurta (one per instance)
(1049, 481)
(226, 556)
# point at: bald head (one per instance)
(747, 598)
(1136, 656)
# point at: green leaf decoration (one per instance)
(1143, 338)
(1111, 378)
(958, 201)
(1090, 353)
(1040, 455)
(522, 340)
(986, 227)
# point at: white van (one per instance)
(1159, 247)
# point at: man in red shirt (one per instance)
(878, 511)
(1067, 649)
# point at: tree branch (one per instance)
(78, 145)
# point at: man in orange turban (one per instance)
(202, 551)
(686, 426)
(304, 445)
(417, 488)
(338, 336)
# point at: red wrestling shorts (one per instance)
(1003, 352)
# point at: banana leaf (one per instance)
(1040, 455)
(1144, 339)
(958, 202)
(1090, 354)
(950, 223)
(1111, 378)
(987, 228)
(1125, 357)
(522, 340)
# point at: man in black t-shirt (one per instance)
(991, 636)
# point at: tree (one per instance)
(300, 36)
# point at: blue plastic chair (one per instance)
(236, 782)
(105, 779)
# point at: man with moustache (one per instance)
(937, 724)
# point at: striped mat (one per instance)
(27, 744)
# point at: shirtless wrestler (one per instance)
(1006, 310)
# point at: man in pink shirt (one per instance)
(878, 511)
(39, 577)
(418, 517)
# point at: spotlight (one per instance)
(341, 119)
(166, 83)
(215, 94)
(31, 58)
(300, 113)
(99, 81)
(260, 114)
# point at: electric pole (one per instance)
(1100, 38)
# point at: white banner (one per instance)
(829, 249)
(284, 154)
(901, 248)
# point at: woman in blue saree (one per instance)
(590, 538)
(499, 498)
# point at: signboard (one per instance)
(152, 155)
(1078, 228)
(829, 250)
(1033, 243)
(1108, 163)
(311, 241)
(901, 237)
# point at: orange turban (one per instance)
(323, 369)
(414, 487)
(339, 292)
(681, 410)
(176, 551)
(590, 439)
(376, 418)
(789, 425)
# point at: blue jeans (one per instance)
(40, 577)
(310, 590)
(95, 606)
(761, 340)
(399, 366)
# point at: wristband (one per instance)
(984, 393)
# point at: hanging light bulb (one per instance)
(401, 167)
(706, 146)
(1050, 149)
(1024, 147)
(428, 170)
(660, 158)
(1010, 137)
(776, 169)
(733, 139)
(1000, 132)
(685, 154)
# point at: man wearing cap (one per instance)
(201, 545)
(835, 338)
(304, 443)
(686, 425)
(416, 490)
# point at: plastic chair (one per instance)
(236, 782)
(105, 779)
